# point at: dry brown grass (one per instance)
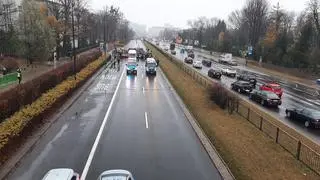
(249, 153)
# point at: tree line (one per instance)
(276, 35)
(36, 29)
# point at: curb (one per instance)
(10, 164)
(222, 167)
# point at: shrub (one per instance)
(14, 126)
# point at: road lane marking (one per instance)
(146, 117)
(95, 144)
(143, 90)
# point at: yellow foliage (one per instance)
(43, 9)
(14, 125)
(271, 36)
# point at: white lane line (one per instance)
(146, 117)
(143, 90)
(95, 144)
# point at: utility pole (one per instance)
(73, 41)
(104, 32)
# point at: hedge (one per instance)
(14, 127)
(12, 100)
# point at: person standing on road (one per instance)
(19, 75)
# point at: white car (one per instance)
(61, 174)
(118, 174)
(197, 64)
(229, 72)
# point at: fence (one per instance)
(8, 79)
(259, 119)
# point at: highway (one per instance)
(293, 96)
(127, 122)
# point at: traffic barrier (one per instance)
(259, 118)
(8, 79)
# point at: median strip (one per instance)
(248, 152)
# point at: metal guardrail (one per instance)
(294, 146)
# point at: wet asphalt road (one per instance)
(146, 133)
(293, 96)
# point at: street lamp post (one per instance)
(73, 41)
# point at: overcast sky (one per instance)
(177, 12)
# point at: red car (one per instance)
(273, 87)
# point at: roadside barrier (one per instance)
(259, 118)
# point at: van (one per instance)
(151, 66)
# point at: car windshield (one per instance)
(271, 95)
(114, 177)
(316, 114)
(151, 65)
(131, 63)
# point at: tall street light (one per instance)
(73, 41)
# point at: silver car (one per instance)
(61, 174)
(117, 174)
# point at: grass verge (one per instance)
(249, 153)
(13, 128)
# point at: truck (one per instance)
(225, 58)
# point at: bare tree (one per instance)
(255, 17)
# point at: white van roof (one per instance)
(131, 51)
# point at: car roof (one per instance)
(115, 172)
(274, 84)
(132, 51)
(59, 174)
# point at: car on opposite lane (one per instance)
(117, 174)
(265, 98)
(242, 86)
(310, 117)
(229, 72)
(61, 174)
(173, 52)
(248, 78)
(188, 60)
(206, 62)
(197, 64)
(272, 87)
(215, 73)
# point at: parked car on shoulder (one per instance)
(265, 98)
(61, 174)
(245, 77)
(310, 117)
(206, 62)
(214, 73)
(272, 87)
(229, 72)
(188, 60)
(242, 86)
(197, 64)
